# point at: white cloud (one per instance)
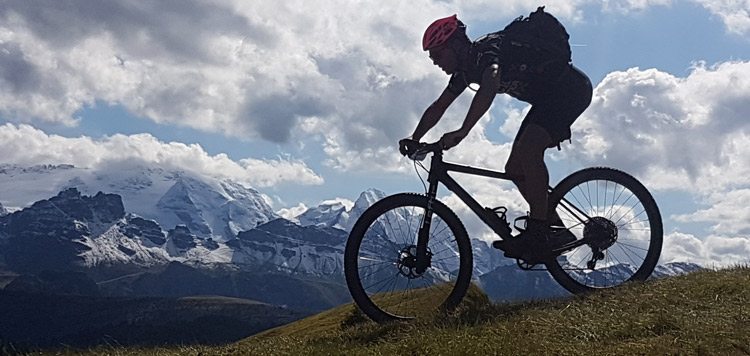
(349, 76)
(347, 203)
(713, 251)
(666, 129)
(350, 72)
(292, 213)
(627, 6)
(26, 145)
(689, 134)
(243, 69)
(734, 13)
(728, 211)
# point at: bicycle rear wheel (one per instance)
(619, 224)
(378, 261)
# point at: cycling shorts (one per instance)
(560, 104)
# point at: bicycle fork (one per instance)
(423, 258)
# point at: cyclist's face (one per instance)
(445, 58)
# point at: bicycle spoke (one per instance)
(619, 238)
(383, 266)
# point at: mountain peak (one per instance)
(210, 207)
(218, 209)
(330, 213)
(51, 234)
(334, 213)
(367, 198)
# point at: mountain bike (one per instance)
(409, 253)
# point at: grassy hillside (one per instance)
(704, 313)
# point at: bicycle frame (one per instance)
(439, 170)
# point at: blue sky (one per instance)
(305, 100)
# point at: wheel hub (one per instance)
(407, 262)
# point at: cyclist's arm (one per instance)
(483, 98)
(433, 114)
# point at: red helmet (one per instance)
(440, 32)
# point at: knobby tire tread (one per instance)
(646, 199)
(351, 254)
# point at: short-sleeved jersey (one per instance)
(523, 77)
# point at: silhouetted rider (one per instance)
(557, 91)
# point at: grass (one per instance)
(703, 313)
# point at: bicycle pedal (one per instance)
(530, 267)
(534, 259)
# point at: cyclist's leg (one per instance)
(527, 160)
(546, 125)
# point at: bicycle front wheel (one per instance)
(617, 223)
(380, 254)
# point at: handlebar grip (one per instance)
(408, 147)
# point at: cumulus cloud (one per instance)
(26, 145)
(713, 251)
(240, 68)
(292, 213)
(727, 210)
(350, 75)
(689, 134)
(350, 72)
(650, 122)
(734, 13)
(627, 6)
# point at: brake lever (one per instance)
(419, 155)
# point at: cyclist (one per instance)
(557, 91)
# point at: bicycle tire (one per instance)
(622, 213)
(380, 242)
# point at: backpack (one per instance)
(542, 33)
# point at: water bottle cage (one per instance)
(501, 213)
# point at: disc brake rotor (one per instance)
(407, 261)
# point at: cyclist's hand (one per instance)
(407, 146)
(451, 139)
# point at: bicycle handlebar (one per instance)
(418, 151)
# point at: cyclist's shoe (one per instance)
(535, 241)
(560, 236)
(532, 239)
(551, 234)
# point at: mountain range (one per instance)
(151, 232)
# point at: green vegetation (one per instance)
(703, 313)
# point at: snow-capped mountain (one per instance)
(71, 230)
(148, 218)
(331, 214)
(219, 210)
(674, 269)
(509, 282)
(335, 214)
(215, 208)
(285, 246)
